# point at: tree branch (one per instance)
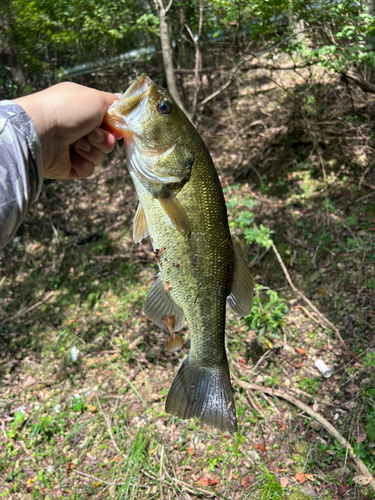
(271, 67)
(324, 422)
(364, 84)
(326, 322)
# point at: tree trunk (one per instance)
(167, 52)
(8, 54)
(297, 25)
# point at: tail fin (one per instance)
(203, 392)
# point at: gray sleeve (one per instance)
(21, 168)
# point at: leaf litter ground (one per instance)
(84, 375)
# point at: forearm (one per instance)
(55, 134)
(21, 168)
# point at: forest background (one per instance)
(283, 94)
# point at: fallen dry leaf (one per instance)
(361, 480)
(247, 481)
(69, 466)
(284, 482)
(310, 477)
(300, 351)
(301, 478)
(298, 364)
(362, 438)
(342, 488)
(260, 447)
(91, 397)
(190, 450)
(207, 482)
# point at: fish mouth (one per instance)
(118, 114)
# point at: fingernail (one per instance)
(83, 145)
(97, 136)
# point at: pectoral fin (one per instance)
(160, 303)
(174, 210)
(140, 229)
(240, 299)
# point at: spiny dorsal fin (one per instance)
(140, 229)
(240, 299)
(174, 210)
(159, 303)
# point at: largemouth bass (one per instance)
(182, 209)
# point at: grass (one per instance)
(84, 375)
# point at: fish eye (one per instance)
(164, 107)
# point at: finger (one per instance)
(116, 133)
(81, 168)
(89, 152)
(102, 139)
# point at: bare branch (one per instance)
(284, 40)
(190, 33)
(168, 6)
(108, 426)
(324, 321)
(271, 67)
(327, 425)
(226, 85)
(364, 84)
(29, 309)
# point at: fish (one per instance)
(182, 209)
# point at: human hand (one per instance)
(67, 117)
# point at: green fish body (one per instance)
(182, 209)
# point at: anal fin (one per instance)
(140, 229)
(240, 299)
(160, 303)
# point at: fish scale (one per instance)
(183, 210)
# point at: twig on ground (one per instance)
(366, 196)
(324, 322)
(87, 238)
(308, 313)
(270, 403)
(254, 405)
(324, 422)
(366, 184)
(29, 309)
(361, 82)
(102, 480)
(266, 355)
(108, 426)
(161, 479)
(259, 258)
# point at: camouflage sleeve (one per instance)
(21, 169)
